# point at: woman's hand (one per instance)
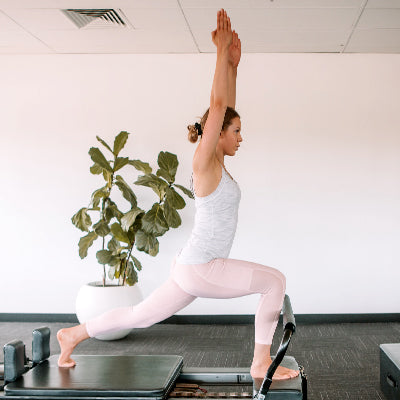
(224, 33)
(235, 49)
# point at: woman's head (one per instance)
(231, 124)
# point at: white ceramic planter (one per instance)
(93, 299)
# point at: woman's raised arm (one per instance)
(235, 52)
(219, 95)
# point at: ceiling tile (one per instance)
(388, 18)
(7, 24)
(156, 19)
(20, 42)
(383, 4)
(264, 19)
(37, 20)
(231, 4)
(374, 41)
(119, 41)
(58, 4)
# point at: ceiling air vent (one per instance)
(97, 18)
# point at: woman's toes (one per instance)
(66, 363)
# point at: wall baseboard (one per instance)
(218, 319)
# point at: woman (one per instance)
(202, 269)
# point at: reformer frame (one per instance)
(26, 379)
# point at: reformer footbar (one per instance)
(151, 377)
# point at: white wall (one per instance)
(319, 170)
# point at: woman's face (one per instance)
(231, 137)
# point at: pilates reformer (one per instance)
(141, 377)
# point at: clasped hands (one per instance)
(224, 34)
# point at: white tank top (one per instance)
(214, 224)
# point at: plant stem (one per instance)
(102, 215)
(104, 269)
(120, 267)
(129, 255)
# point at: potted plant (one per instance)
(123, 233)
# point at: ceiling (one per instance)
(184, 26)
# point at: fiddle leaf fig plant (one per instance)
(122, 233)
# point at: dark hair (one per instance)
(196, 129)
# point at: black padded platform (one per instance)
(94, 377)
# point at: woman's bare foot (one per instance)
(68, 339)
(258, 371)
(261, 362)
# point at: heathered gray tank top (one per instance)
(214, 224)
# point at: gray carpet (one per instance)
(341, 360)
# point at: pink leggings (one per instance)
(221, 278)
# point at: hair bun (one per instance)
(198, 128)
(193, 134)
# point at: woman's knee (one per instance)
(265, 280)
(281, 278)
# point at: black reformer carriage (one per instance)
(141, 377)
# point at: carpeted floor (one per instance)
(341, 360)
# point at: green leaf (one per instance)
(175, 199)
(103, 143)
(155, 249)
(97, 195)
(102, 228)
(184, 190)
(131, 276)
(131, 235)
(119, 142)
(169, 163)
(154, 221)
(171, 215)
(151, 180)
(158, 185)
(82, 220)
(95, 169)
(85, 242)
(118, 233)
(137, 263)
(103, 256)
(147, 243)
(120, 162)
(97, 156)
(111, 211)
(111, 273)
(130, 217)
(114, 261)
(126, 191)
(118, 269)
(141, 166)
(113, 245)
(122, 269)
(164, 174)
(138, 223)
(108, 178)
